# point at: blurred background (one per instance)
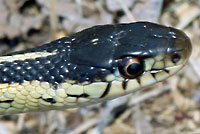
(170, 107)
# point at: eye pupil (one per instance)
(134, 69)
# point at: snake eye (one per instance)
(130, 67)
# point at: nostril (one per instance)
(175, 57)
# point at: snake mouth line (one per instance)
(167, 69)
(160, 75)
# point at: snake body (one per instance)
(99, 63)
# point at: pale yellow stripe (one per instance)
(25, 56)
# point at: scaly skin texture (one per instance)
(84, 68)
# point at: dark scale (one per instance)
(106, 90)
(78, 96)
(43, 71)
(5, 79)
(10, 73)
(6, 101)
(51, 100)
(124, 84)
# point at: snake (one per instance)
(96, 64)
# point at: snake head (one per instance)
(140, 48)
(131, 56)
(149, 53)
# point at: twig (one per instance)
(195, 66)
(20, 122)
(193, 14)
(181, 102)
(79, 7)
(126, 10)
(140, 121)
(85, 126)
(148, 95)
(51, 128)
(53, 19)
